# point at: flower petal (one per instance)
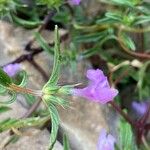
(105, 142)
(11, 69)
(98, 89)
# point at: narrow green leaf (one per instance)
(25, 23)
(142, 19)
(56, 67)
(30, 99)
(5, 80)
(124, 3)
(92, 37)
(57, 101)
(50, 3)
(128, 42)
(20, 123)
(43, 43)
(141, 78)
(4, 109)
(126, 137)
(55, 124)
(2, 89)
(24, 79)
(114, 16)
(11, 100)
(66, 142)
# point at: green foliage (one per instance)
(55, 124)
(63, 15)
(25, 23)
(56, 67)
(4, 109)
(2, 89)
(20, 123)
(7, 6)
(43, 43)
(50, 3)
(50, 100)
(24, 80)
(30, 99)
(66, 142)
(12, 98)
(5, 80)
(124, 3)
(56, 100)
(128, 42)
(143, 81)
(126, 139)
(97, 35)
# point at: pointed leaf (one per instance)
(20, 123)
(30, 99)
(43, 43)
(128, 42)
(56, 67)
(55, 125)
(4, 109)
(142, 74)
(57, 101)
(25, 23)
(5, 80)
(24, 79)
(66, 142)
(2, 89)
(11, 100)
(126, 137)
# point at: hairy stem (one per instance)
(122, 113)
(19, 89)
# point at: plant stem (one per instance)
(19, 89)
(32, 108)
(122, 113)
(40, 69)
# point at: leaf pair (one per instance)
(52, 82)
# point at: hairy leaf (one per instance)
(4, 109)
(56, 67)
(66, 142)
(57, 101)
(20, 123)
(12, 98)
(5, 80)
(43, 43)
(126, 137)
(24, 79)
(55, 124)
(142, 73)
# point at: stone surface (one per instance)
(36, 140)
(83, 122)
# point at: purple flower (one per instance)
(74, 2)
(12, 69)
(106, 141)
(140, 107)
(98, 89)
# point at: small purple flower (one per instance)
(98, 89)
(106, 141)
(12, 69)
(140, 107)
(74, 2)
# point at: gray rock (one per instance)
(35, 140)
